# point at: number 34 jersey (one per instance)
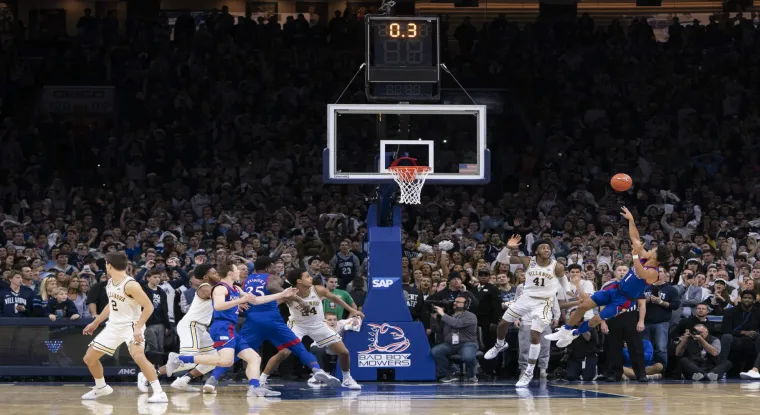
(540, 281)
(311, 315)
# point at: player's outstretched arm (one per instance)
(288, 293)
(220, 303)
(325, 293)
(505, 258)
(633, 233)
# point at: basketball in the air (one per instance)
(621, 182)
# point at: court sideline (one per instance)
(550, 398)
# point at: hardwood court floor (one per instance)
(724, 398)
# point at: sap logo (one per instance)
(224, 338)
(383, 283)
(127, 371)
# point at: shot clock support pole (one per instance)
(351, 82)
(443, 65)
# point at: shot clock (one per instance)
(402, 58)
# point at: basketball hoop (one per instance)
(410, 179)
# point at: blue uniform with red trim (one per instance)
(621, 296)
(222, 330)
(264, 322)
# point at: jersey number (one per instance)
(306, 313)
(113, 305)
(259, 291)
(538, 282)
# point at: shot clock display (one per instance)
(402, 49)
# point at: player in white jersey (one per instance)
(309, 320)
(193, 331)
(126, 324)
(539, 292)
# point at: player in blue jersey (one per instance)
(264, 322)
(226, 300)
(620, 296)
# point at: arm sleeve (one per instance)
(674, 301)
(184, 278)
(141, 274)
(466, 320)
(71, 308)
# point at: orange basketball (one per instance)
(621, 182)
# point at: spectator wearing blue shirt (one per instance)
(653, 370)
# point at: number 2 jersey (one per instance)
(313, 316)
(256, 284)
(540, 281)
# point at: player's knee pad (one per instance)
(203, 369)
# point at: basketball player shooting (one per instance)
(126, 324)
(541, 279)
(620, 296)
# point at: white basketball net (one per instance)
(410, 180)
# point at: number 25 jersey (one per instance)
(256, 284)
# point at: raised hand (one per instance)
(514, 242)
(626, 213)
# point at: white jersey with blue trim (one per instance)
(540, 281)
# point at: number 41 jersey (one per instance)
(256, 284)
(540, 281)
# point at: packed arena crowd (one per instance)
(214, 158)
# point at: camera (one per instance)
(446, 305)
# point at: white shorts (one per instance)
(194, 338)
(322, 335)
(113, 336)
(539, 311)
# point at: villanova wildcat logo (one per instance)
(386, 338)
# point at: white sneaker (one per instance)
(96, 393)
(261, 392)
(158, 397)
(210, 386)
(142, 383)
(315, 383)
(566, 338)
(327, 379)
(173, 364)
(495, 350)
(524, 380)
(750, 375)
(560, 333)
(712, 377)
(657, 376)
(180, 384)
(350, 383)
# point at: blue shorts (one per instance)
(226, 337)
(270, 328)
(615, 302)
